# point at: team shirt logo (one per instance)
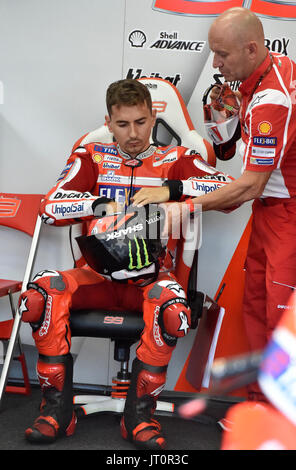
(264, 128)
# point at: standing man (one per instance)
(268, 153)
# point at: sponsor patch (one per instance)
(109, 177)
(97, 158)
(209, 178)
(265, 141)
(71, 195)
(117, 192)
(263, 152)
(111, 158)
(65, 171)
(205, 188)
(264, 127)
(67, 209)
(170, 158)
(111, 165)
(105, 149)
(261, 161)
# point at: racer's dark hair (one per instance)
(128, 92)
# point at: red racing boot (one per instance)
(57, 416)
(137, 423)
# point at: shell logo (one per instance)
(97, 157)
(137, 38)
(264, 128)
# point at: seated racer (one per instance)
(98, 174)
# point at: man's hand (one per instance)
(176, 218)
(215, 93)
(104, 206)
(114, 207)
(151, 195)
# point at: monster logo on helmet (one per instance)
(140, 243)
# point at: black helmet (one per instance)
(126, 245)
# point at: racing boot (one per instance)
(137, 423)
(57, 416)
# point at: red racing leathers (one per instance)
(102, 170)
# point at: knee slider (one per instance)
(174, 320)
(32, 305)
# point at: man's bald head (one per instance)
(237, 39)
(241, 24)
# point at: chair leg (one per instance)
(22, 390)
(13, 341)
(13, 312)
(9, 354)
(90, 404)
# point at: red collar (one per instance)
(249, 85)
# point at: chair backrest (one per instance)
(21, 212)
(172, 117)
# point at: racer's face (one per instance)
(131, 126)
(232, 58)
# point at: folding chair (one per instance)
(18, 212)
